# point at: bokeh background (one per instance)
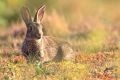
(92, 27)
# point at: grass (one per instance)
(103, 66)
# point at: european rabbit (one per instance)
(44, 48)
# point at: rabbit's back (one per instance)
(56, 49)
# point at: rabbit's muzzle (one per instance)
(38, 36)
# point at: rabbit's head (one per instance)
(34, 27)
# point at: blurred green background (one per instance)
(72, 10)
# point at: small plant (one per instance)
(39, 68)
(5, 77)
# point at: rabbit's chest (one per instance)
(31, 47)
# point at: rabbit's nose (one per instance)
(38, 36)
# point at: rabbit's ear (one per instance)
(26, 15)
(39, 14)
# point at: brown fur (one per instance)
(43, 48)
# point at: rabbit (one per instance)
(43, 48)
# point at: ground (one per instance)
(97, 63)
